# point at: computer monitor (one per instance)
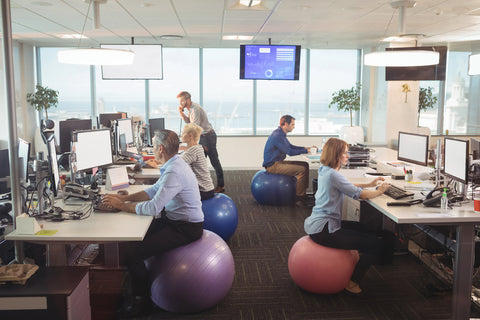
(475, 148)
(53, 165)
(66, 129)
(106, 119)
(413, 148)
(154, 125)
(123, 126)
(455, 157)
(23, 157)
(86, 141)
(4, 171)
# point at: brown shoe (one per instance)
(219, 189)
(353, 287)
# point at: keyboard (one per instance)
(99, 206)
(397, 193)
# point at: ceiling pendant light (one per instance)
(95, 56)
(402, 58)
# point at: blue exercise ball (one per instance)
(274, 189)
(221, 215)
(193, 277)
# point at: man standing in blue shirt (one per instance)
(274, 154)
(179, 224)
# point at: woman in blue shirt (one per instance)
(324, 225)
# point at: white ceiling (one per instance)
(202, 23)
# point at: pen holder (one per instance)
(408, 177)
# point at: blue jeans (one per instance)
(372, 248)
(209, 142)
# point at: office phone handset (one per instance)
(434, 197)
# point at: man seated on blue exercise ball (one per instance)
(275, 152)
(179, 224)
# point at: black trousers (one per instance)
(209, 141)
(373, 248)
(163, 235)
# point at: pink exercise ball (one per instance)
(320, 269)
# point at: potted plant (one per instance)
(426, 100)
(43, 98)
(349, 100)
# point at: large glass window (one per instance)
(429, 117)
(180, 73)
(120, 96)
(330, 71)
(276, 98)
(457, 87)
(72, 83)
(227, 100)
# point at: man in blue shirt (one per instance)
(274, 154)
(179, 224)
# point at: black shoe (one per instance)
(138, 306)
(219, 189)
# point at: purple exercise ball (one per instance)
(193, 277)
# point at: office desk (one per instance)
(462, 217)
(104, 228)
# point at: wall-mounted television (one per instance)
(147, 64)
(433, 72)
(269, 62)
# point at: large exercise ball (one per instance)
(193, 277)
(320, 269)
(274, 189)
(221, 215)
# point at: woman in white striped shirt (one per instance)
(194, 155)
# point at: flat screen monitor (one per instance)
(86, 141)
(66, 129)
(147, 64)
(456, 159)
(155, 125)
(269, 62)
(413, 148)
(53, 164)
(4, 171)
(106, 119)
(124, 126)
(23, 157)
(433, 72)
(475, 148)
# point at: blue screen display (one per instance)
(269, 62)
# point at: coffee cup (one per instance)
(313, 150)
(476, 200)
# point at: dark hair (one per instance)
(168, 139)
(184, 94)
(286, 118)
(332, 151)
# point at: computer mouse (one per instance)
(122, 192)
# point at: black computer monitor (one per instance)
(23, 157)
(106, 119)
(4, 171)
(413, 148)
(455, 157)
(475, 148)
(154, 125)
(66, 129)
(86, 141)
(53, 165)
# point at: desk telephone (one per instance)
(434, 197)
(78, 191)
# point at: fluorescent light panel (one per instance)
(402, 58)
(237, 37)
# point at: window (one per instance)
(276, 98)
(180, 73)
(429, 117)
(227, 100)
(72, 83)
(330, 71)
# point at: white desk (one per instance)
(106, 228)
(463, 218)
